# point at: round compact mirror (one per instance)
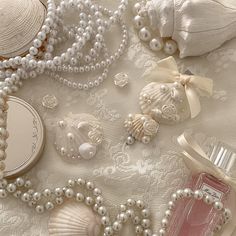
(26, 137)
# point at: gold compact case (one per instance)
(26, 137)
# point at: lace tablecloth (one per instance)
(149, 172)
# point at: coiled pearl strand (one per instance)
(94, 22)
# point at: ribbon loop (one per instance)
(167, 71)
(197, 160)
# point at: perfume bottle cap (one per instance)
(223, 156)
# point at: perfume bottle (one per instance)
(193, 217)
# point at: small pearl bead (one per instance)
(198, 195)
(218, 206)
(58, 192)
(47, 192)
(138, 229)
(81, 182)
(105, 220)
(49, 206)
(130, 213)
(80, 197)
(102, 211)
(69, 193)
(90, 186)
(140, 204)
(156, 44)
(164, 222)
(170, 47)
(146, 223)
(187, 192)
(108, 231)
(144, 34)
(3, 193)
(147, 232)
(11, 188)
(39, 209)
(130, 140)
(89, 201)
(208, 199)
(117, 226)
(25, 197)
(37, 196)
(122, 217)
(130, 202)
(138, 22)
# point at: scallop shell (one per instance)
(141, 127)
(20, 21)
(194, 24)
(165, 102)
(78, 135)
(74, 219)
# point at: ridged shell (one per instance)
(78, 135)
(20, 21)
(74, 219)
(141, 127)
(165, 102)
(195, 24)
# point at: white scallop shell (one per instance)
(74, 219)
(194, 24)
(20, 21)
(165, 102)
(78, 135)
(141, 127)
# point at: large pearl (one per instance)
(138, 22)
(170, 47)
(156, 44)
(144, 34)
(87, 151)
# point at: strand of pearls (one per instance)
(90, 195)
(88, 51)
(146, 34)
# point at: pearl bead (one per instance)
(138, 22)
(25, 197)
(122, 217)
(146, 223)
(102, 211)
(47, 192)
(130, 213)
(89, 201)
(20, 182)
(162, 232)
(39, 209)
(3, 183)
(136, 8)
(146, 139)
(81, 182)
(108, 231)
(138, 229)
(97, 192)
(147, 232)
(71, 183)
(117, 226)
(164, 222)
(131, 202)
(105, 220)
(130, 140)
(59, 200)
(69, 193)
(37, 196)
(140, 204)
(198, 194)
(145, 213)
(208, 199)
(156, 44)
(218, 206)
(3, 193)
(90, 185)
(144, 34)
(49, 206)
(80, 197)
(170, 47)
(187, 192)
(28, 184)
(11, 188)
(58, 192)
(87, 151)
(227, 213)
(136, 220)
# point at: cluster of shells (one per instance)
(77, 136)
(164, 103)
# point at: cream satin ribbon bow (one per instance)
(167, 71)
(197, 160)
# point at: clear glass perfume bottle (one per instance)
(195, 218)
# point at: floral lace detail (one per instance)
(100, 109)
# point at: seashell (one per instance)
(141, 127)
(165, 102)
(194, 24)
(20, 21)
(74, 219)
(77, 136)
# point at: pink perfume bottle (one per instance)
(195, 218)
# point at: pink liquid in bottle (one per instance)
(193, 217)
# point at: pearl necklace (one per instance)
(94, 22)
(136, 211)
(146, 34)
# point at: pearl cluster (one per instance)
(91, 196)
(145, 33)
(94, 22)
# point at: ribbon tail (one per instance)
(193, 101)
(203, 84)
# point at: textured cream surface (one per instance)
(149, 172)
